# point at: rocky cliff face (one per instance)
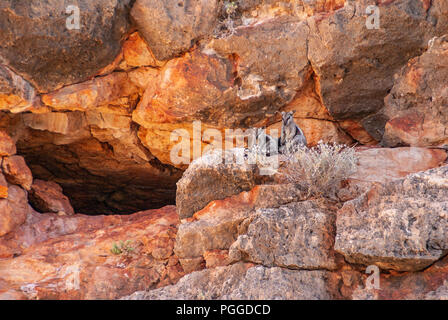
(91, 95)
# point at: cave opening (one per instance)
(101, 170)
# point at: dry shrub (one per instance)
(320, 169)
(226, 24)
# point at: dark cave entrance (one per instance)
(101, 170)
(128, 189)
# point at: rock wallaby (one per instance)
(267, 145)
(292, 136)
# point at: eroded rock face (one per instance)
(17, 172)
(61, 257)
(296, 236)
(16, 94)
(355, 65)
(103, 133)
(416, 106)
(172, 27)
(211, 178)
(381, 165)
(7, 145)
(51, 55)
(13, 210)
(429, 284)
(15, 179)
(401, 225)
(237, 282)
(265, 82)
(47, 196)
(386, 164)
(96, 157)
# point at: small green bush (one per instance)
(123, 247)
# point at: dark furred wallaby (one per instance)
(292, 136)
(267, 145)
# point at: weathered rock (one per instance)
(239, 281)
(267, 83)
(441, 293)
(429, 284)
(211, 178)
(136, 52)
(357, 132)
(218, 225)
(401, 225)
(70, 257)
(191, 85)
(3, 187)
(7, 145)
(13, 210)
(171, 28)
(386, 164)
(36, 43)
(67, 148)
(16, 94)
(206, 284)
(64, 123)
(296, 236)
(17, 172)
(47, 196)
(379, 165)
(115, 89)
(226, 83)
(262, 283)
(216, 258)
(355, 65)
(416, 106)
(192, 264)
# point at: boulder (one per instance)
(261, 283)
(172, 27)
(7, 145)
(3, 187)
(299, 235)
(36, 43)
(16, 94)
(416, 105)
(13, 210)
(380, 165)
(90, 257)
(386, 164)
(401, 225)
(17, 172)
(355, 65)
(211, 178)
(265, 83)
(47, 196)
(218, 225)
(243, 282)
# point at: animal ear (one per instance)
(293, 112)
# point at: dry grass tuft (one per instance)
(320, 169)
